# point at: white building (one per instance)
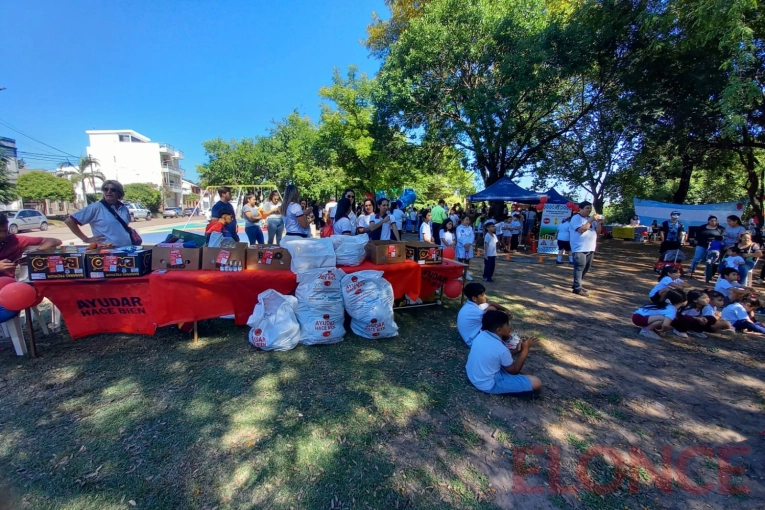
(9, 152)
(130, 157)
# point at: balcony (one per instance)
(174, 186)
(171, 169)
(166, 148)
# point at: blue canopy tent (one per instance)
(553, 197)
(506, 190)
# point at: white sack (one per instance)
(350, 250)
(274, 322)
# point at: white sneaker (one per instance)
(679, 333)
(697, 334)
(468, 277)
(646, 333)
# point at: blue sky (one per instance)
(179, 72)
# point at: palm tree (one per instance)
(85, 170)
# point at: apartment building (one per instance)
(130, 157)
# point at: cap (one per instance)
(675, 213)
(490, 222)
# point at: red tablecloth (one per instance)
(433, 277)
(404, 277)
(188, 296)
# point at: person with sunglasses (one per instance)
(103, 223)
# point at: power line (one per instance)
(4, 123)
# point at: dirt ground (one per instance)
(403, 409)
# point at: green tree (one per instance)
(85, 170)
(7, 189)
(146, 194)
(41, 186)
(382, 34)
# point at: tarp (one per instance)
(690, 215)
(553, 197)
(506, 191)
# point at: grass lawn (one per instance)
(117, 422)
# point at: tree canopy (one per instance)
(145, 194)
(39, 185)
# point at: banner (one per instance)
(552, 216)
(690, 215)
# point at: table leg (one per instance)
(196, 336)
(30, 332)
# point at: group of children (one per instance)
(463, 239)
(730, 307)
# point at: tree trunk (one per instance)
(597, 204)
(753, 183)
(685, 180)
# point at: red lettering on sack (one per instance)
(258, 331)
(354, 278)
(326, 334)
(329, 275)
(326, 316)
(327, 283)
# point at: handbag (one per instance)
(135, 238)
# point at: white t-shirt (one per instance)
(707, 311)
(735, 312)
(384, 230)
(515, 227)
(723, 286)
(398, 217)
(330, 206)
(663, 284)
(363, 221)
(563, 232)
(487, 357)
(465, 235)
(342, 226)
(425, 229)
(505, 228)
(582, 242)
(291, 225)
(669, 312)
(490, 243)
(413, 215)
(270, 206)
(447, 238)
(469, 320)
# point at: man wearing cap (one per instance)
(584, 232)
(671, 229)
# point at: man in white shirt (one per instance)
(398, 216)
(584, 237)
(328, 207)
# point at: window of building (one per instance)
(124, 138)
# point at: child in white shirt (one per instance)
(655, 320)
(728, 285)
(490, 366)
(667, 280)
(471, 313)
(734, 261)
(740, 315)
(464, 244)
(490, 250)
(505, 228)
(515, 232)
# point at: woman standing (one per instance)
(733, 231)
(297, 218)
(712, 231)
(367, 213)
(381, 223)
(272, 210)
(342, 225)
(252, 220)
(426, 231)
(749, 251)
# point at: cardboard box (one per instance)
(423, 253)
(214, 258)
(110, 263)
(268, 257)
(184, 236)
(386, 252)
(176, 258)
(57, 264)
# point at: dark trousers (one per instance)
(514, 239)
(254, 234)
(437, 233)
(488, 267)
(745, 325)
(582, 263)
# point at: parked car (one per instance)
(25, 219)
(190, 211)
(137, 211)
(172, 212)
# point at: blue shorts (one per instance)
(506, 383)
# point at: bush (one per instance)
(146, 194)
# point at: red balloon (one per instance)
(540, 207)
(739, 206)
(575, 208)
(453, 289)
(570, 205)
(543, 200)
(369, 196)
(449, 253)
(17, 296)
(5, 280)
(39, 299)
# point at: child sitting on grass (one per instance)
(490, 366)
(470, 315)
(668, 280)
(740, 315)
(655, 320)
(729, 286)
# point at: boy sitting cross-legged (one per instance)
(490, 366)
(471, 313)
